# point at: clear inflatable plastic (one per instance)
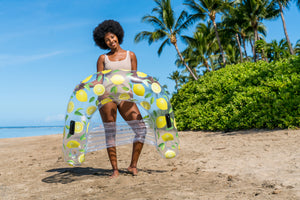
(158, 127)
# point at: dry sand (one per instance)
(253, 164)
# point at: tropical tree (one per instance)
(284, 4)
(254, 11)
(201, 46)
(175, 76)
(277, 50)
(297, 48)
(166, 27)
(208, 8)
(232, 28)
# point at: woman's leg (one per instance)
(108, 114)
(129, 111)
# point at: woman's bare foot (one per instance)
(133, 170)
(115, 173)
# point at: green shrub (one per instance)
(242, 96)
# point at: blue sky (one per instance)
(46, 48)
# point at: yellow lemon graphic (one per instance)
(156, 88)
(124, 96)
(167, 137)
(145, 105)
(81, 95)
(161, 122)
(162, 104)
(170, 154)
(87, 127)
(106, 100)
(73, 144)
(99, 89)
(87, 79)
(106, 71)
(70, 107)
(90, 110)
(81, 158)
(175, 124)
(78, 127)
(117, 79)
(71, 163)
(141, 74)
(139, 89)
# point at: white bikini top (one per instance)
(122, 64)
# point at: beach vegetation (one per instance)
(260, 95)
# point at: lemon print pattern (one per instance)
(106, 100)
(90, 110)
(167, 137)
(70, 107)
(115, 86)
(117, 79)
(162, 104)
(156, 88)
(139, 89)
(141, 74)
(145, 105)
(78, 127)
(170, 154)
(73, 144)
(99, 89)
(106, 71)
(81, 158)
(81, 95)
(161, 122)
(87, 79)
(124, 96)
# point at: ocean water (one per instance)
(27, 131)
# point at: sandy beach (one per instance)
(254, 164)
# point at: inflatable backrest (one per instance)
(115, 86)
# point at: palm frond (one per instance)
(167, 41)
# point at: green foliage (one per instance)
(243, 96)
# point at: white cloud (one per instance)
(55, 118)
(6, 59)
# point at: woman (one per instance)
(109, 35)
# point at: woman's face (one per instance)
(111, 40)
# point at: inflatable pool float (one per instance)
(157, 127)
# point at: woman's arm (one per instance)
(133, 61)
(100, 63)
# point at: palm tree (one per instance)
(285, 4)
(297, 48)
(176, 77)
(208, 8)
(232, 27)
(166, 27)
(201, 46)
(277, 50)
(254, 11)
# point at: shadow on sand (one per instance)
(68, 175)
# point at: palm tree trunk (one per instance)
(205, 63)
(244, 46)
(219, 42)
(255, 39)
(178, 52)
(285, 31)
(240, 48)
(263, 56)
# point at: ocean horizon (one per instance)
(29, 131)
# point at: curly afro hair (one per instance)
(105, 27)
